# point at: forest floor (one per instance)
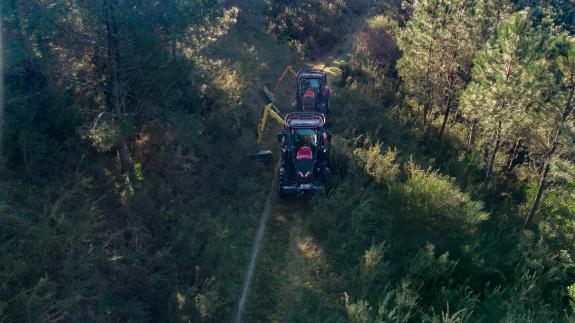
(291, 269)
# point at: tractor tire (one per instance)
(280, 183)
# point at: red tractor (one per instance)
(305, 146)
(312, 92)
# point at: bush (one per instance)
(314, 26)
(382, 167)
(434, 208)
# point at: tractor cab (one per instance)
(312, 93)
(304, 165)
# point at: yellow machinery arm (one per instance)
(269, 109)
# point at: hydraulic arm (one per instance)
(271, 110)
(280, 79)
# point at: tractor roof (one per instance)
(310, 74)
(300, 120)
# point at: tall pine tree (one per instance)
(418, 66)
(438, 44)
(555, 116)
(506, 84)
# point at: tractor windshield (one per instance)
(305, 137)
(314, 83)
(310, 83)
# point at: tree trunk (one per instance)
(449, 93)
(456, 115)
(115, 86)
(543, 181)
(540, 189)
(445, 117)
(426, 104)
(485, 155)
(492, 158)
(512, 156)
(471, 135)
(567, 112)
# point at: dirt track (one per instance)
(295, 261)
(256, 246)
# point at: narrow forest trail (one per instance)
(256, 246)
(287, 267)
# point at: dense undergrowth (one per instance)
(408, 229)
(169, 239)
(314, 27)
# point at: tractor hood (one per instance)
(304, 163)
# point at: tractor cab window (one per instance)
(304, 137)
(314, 84)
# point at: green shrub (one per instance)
(382, 167)
(313, 27)
(431, 203)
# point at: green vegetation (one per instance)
(310, 26)
(126, 194)
(125, 190)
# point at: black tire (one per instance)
(280, 183)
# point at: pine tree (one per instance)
(439, 43)
(491, 14)
(418, 66)
(556, 115)
(458, 41)
(506, 84)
